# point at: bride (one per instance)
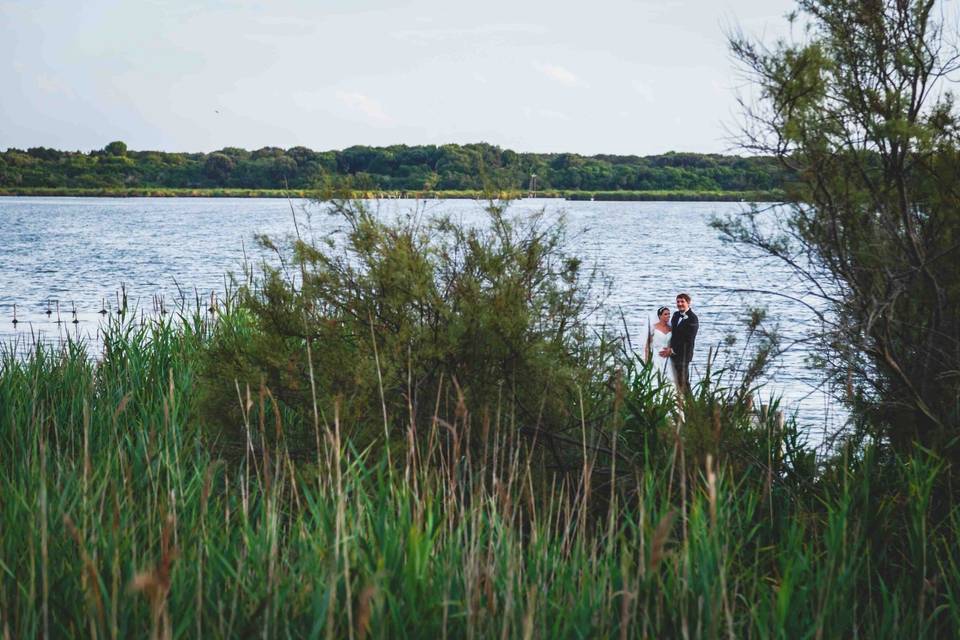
(658, 339)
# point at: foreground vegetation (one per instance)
(121, 517)
(451, 167)
(412, 431)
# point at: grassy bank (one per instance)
(124, 516)
(686, 196)
(147, 192)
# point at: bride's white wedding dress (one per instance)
(664, 366)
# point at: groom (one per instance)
(685, 325)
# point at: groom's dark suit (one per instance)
(683, 338)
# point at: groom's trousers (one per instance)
(682, 371)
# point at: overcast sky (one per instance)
(607, 76)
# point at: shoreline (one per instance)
(580, 195)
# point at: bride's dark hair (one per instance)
(661, 310)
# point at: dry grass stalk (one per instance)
(364, 611)
(625, 598)
(659, 542)
(530, 615)
(155, 586)
(712, 489)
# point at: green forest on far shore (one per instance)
(445, 169)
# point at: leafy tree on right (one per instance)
(857, 109)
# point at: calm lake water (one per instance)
(79, 252)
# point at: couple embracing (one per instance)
(671, 340)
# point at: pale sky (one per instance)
(607, 76)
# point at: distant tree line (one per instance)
(397, 167)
